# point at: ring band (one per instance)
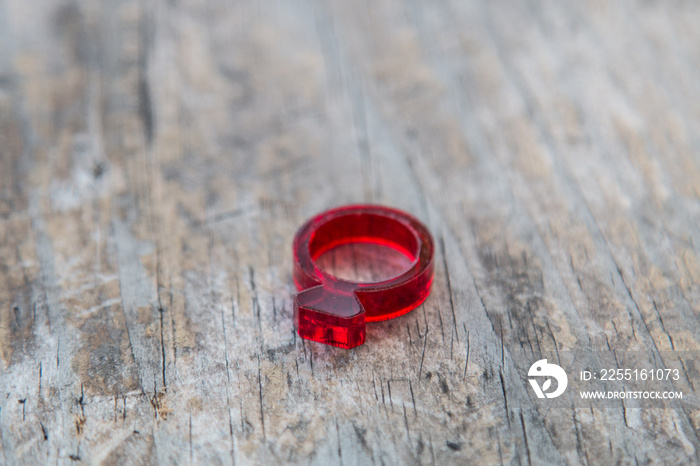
(334, 311)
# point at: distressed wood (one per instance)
(157, 158)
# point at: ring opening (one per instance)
(363, 248)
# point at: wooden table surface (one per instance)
(157, 158)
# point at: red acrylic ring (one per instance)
(334, 311)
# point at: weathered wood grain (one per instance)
(157, 157)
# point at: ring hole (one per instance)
(364, 262)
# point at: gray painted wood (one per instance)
(157, 158)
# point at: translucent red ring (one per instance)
(334, 311)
